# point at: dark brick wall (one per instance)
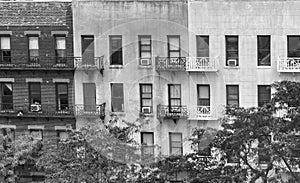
(34, 13)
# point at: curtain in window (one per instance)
(33, 43)
(5, 43)
(60, 43)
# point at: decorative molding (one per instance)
(8, 126)
(40, 80)
(5, 32)
(35, 127)
(32, 33)
(57, 80)
(7, 80)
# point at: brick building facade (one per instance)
(36, 69)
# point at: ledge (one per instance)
(264, 67)
(116, 66)
(118, 113)
(231, 67)
(145, 66)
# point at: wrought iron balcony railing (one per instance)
(201, 113)
(201, 64)
(288, 64)
(92, 111)
(172, 112)
(36, 110)
(41, 63)
(170, 63)
(93, 63)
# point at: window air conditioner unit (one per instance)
(231, 62)
(145, 61)
(146, 110)
(35, 107)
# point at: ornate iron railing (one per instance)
(201, 113)
(40, 62)
(288, 64)
(43, 110)
(89, 63)
(90, 110)
(172, 112)
(201, 64)
(170, 63)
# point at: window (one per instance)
(263, 50)
(117, 97)
(6, 96)
(175, 143)
(60, 49)
(146, 98)
(264, 94)
(202, 46)
(116, 54)
(263, 154)
(203, 95)
(145, 49)
(37, 134)
(61, 135)
(62, 96)
(5, 49)
(35, 93)
(232, 49)
(293, 46)
(147, 141)
(174, 46)
(174, 98)
(296, 150)
(89, 96)
(33, 49)
(87, 50)
(232, 92)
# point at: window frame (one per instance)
(30, 92)
(37, 130)
(145, 98)
(197, 48)
(147, 145)
(140, 37)
(228, 51)
(174, 108)
(36, 57)
(111, 51)
(288, 46)
(60, 59)
(58, 106)
(6, 96)
(4, 133)
(169, 47)
(259, 50)
(5, 50)
(259, 96)
(198, 96)
(112, 97)
(170, 143)
(237, 94)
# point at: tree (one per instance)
(99, 152)
(17, 154)
(262, 141)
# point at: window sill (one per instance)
(264, 67)
(145, 66)
(117, 114)
(232, 67)
(147, 115)
(116, 66)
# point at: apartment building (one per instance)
(36, 70)
(181, 62)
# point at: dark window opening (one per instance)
(60, 49)
(147, 141)
(146, 98)
(35, 94)
(117, 97)
(232, 50)
(116, 54)
(203, 95)
(174, 98)
(202, 46)
(5, 49)
(33, 49)
(232, 92)
(293, 46)
(62, 96)
(6, 96)
(174, 46)
(175, 143)
(264, 94)
(263, 50)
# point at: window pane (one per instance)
(37, 134)
(5, 43)
(293, 46)
(33, 43)
(145, 40)
(147, 138)
(264, 94)
(116, 54)
(60, 43)
(7, 89)
(62, 135)
(117, 97)
(231, 48)
(264, 50)
(202, 46)
(175, 143)
(203, 92)
(35, 93)
(62, 96)
(175, 91)
(174, 43)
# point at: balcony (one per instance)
(41, 63)
(90, 111)
(36, 110)
(94, 63)
(170, 63)
(289, 64)
(201, 64)
(202, 113)
(171, 112)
